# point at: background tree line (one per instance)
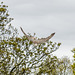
(18, 55)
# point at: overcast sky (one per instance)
(44, 17)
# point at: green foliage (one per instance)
(54, 66)
(73, 65)
(5, 34)
(49, 66)
(64, 66)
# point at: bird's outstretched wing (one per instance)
(31, 38)
(43, 40)
(37, 41)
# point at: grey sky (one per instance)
(44, 17)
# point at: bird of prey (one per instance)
(37, 41)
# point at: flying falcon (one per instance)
(37, 41)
